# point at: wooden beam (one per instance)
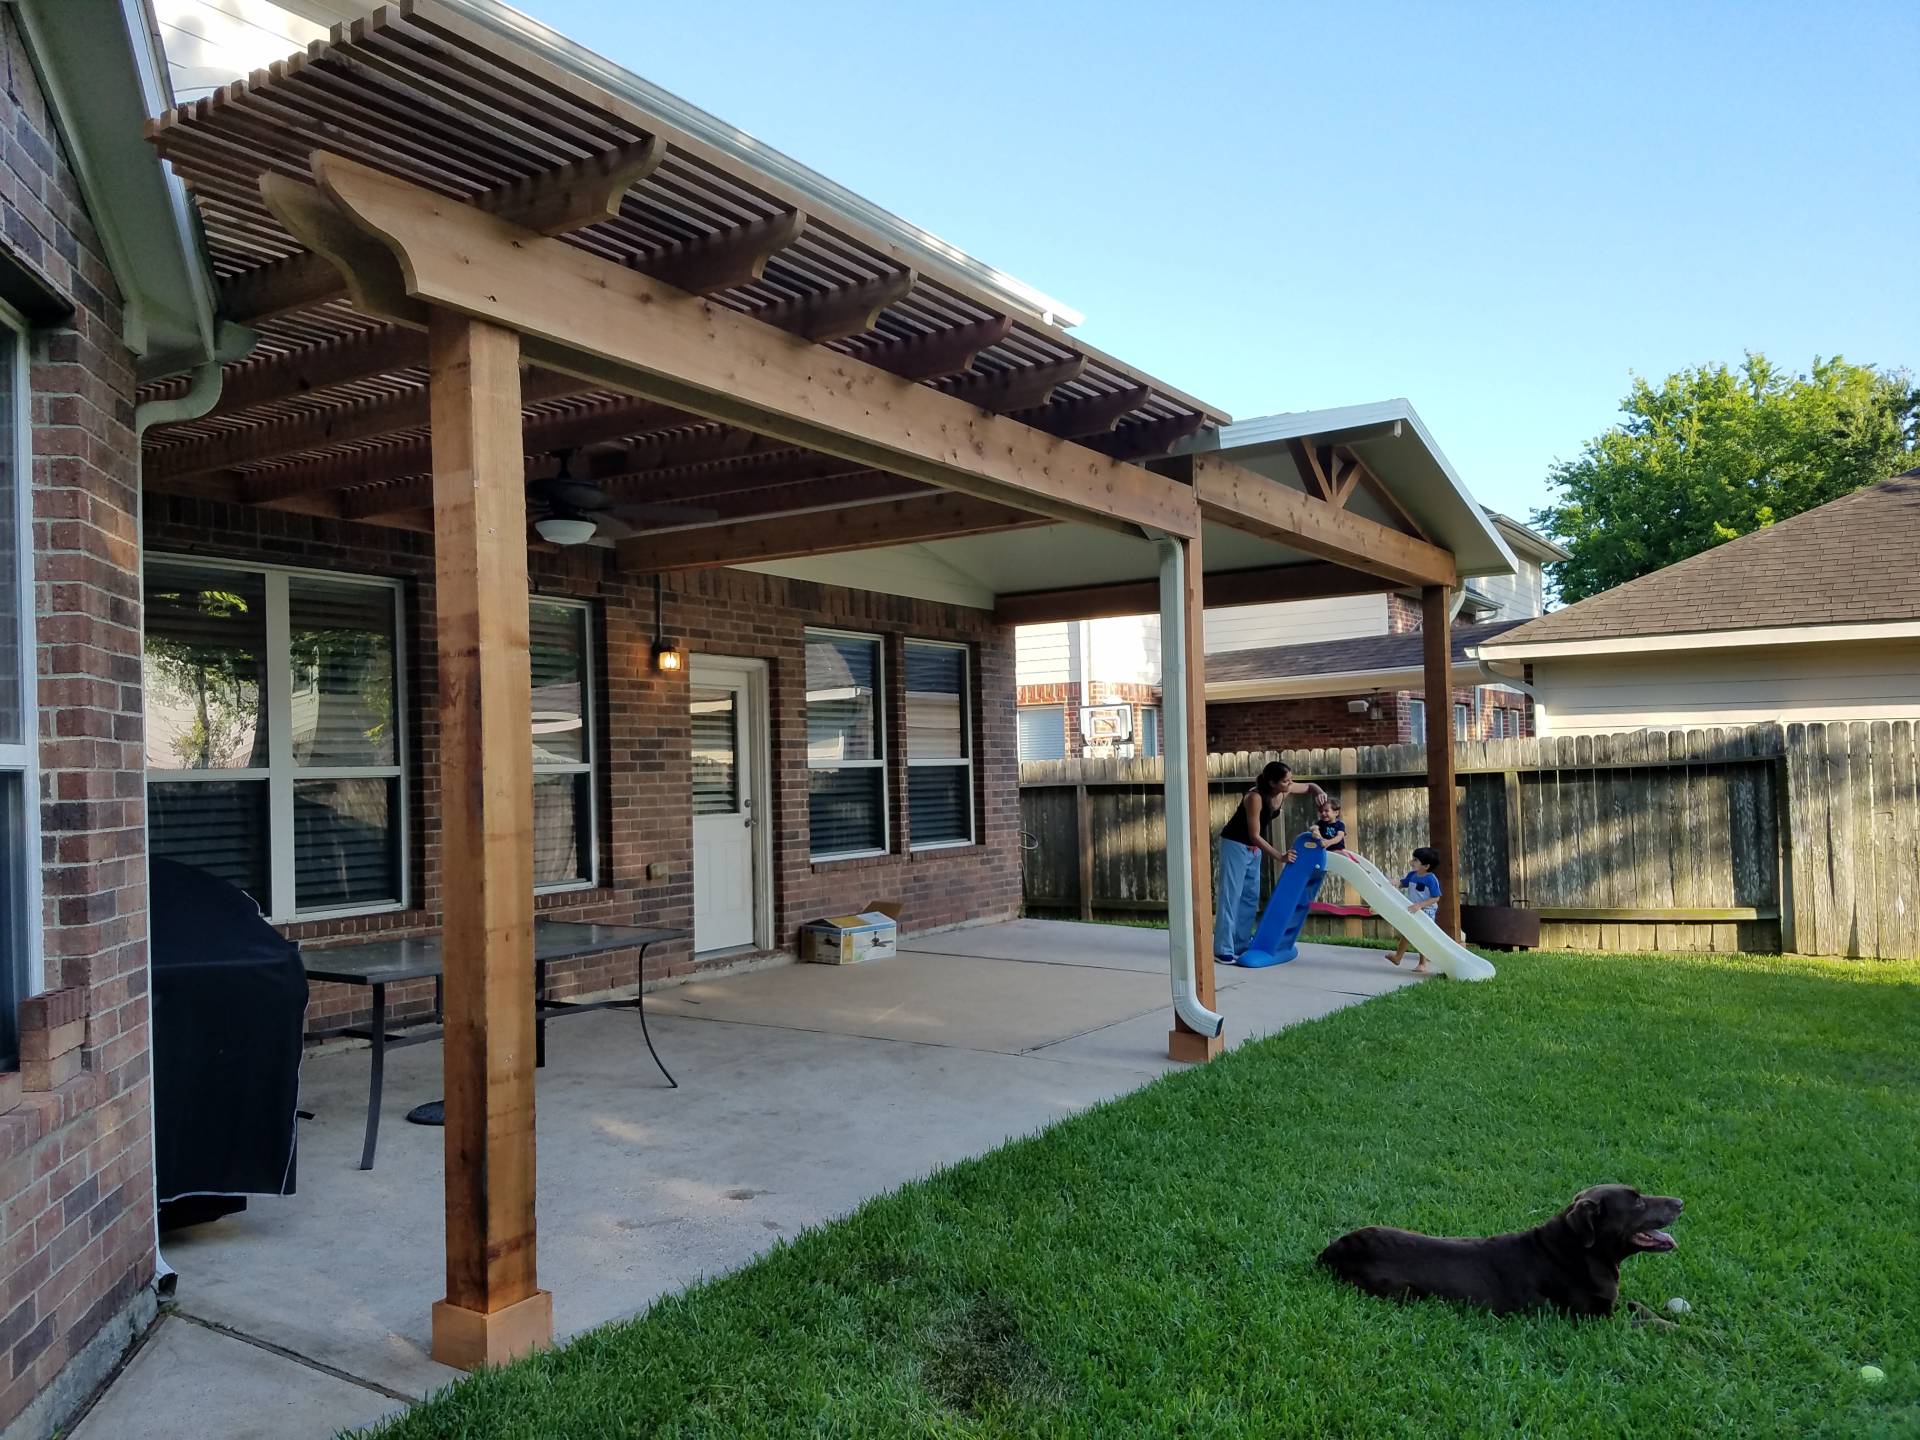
(1345, 473)
(345, 424)
(726, 258)
(1148, 440)
(1244, 500)
(585, 192)
(1184, 1043)
(586, 315)
(686, 447)
(552, 203)
(1008, 390)
(838, 314)
(1077, 419)
(938, 516)
(344, 361)
(942, 353)
(800, 497)
(1443, 816)
(404, 458)
(1312, 580)
(494, 1307)
(1311, 461)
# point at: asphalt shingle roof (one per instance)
(1848, 562)
(1342, 657)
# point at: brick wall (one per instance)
(1326, 721)
(1140, 697)
(645, 739)
(76, 1178)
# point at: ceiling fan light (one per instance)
(564, 530)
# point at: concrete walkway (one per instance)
(804, 1090)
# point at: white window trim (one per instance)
(953, 763)
(23, 759)
(280, 771)
(1417, 711)
(589, 697)
(881, 729)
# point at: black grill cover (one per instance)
(229, 1009)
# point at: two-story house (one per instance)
(1344, 670)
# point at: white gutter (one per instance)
(1497, 678)
(1175, 739)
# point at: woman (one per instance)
(1242, 839)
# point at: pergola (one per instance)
(464, 245)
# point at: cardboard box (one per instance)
(871, 934)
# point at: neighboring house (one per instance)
(1338, 670)
(1813, 618)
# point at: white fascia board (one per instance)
(1499, 650)
(1309, 687)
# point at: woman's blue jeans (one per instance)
(1238, 899)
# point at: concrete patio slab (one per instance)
(1052, 942)
(188, 1382)
(953, 1000)
(804, 1090)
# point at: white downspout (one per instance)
(1176, 737)
(201, 394)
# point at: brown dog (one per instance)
(1571, 1263)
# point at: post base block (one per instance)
(1190, 1048)
(467, 1339)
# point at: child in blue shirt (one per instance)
(1330, 829)
(1422, 888)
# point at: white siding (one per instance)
(1295, 622)
(1599, 694)
(210, 42)
(1042, 655)
(1519, 596)
(1124, 651)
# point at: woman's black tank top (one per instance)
(1236, 828)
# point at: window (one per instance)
(565, 841)
(1417, 722)
(1462, 721)
(1150, 730)
(846, 746)
(939, 746)
(19, 786)
(273, 742)
(1043, 732)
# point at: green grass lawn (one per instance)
(1144, 1269)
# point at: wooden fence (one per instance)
(1804, 838)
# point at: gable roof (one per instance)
(1361, 659)
(1848, 562)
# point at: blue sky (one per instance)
(1500, 212)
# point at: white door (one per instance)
(725, 855)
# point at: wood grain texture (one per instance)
(486, 794)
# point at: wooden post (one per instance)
(1443, 822)
(494, 1308)
(1183, 1043)
(1083, 839)
(1352, 926)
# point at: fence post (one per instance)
(1083, 840)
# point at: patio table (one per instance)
(380, 963)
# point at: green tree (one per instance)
(1713, 453)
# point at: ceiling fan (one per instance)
(566, 511)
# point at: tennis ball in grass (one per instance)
(1678, 1306)
(1872, 1374)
